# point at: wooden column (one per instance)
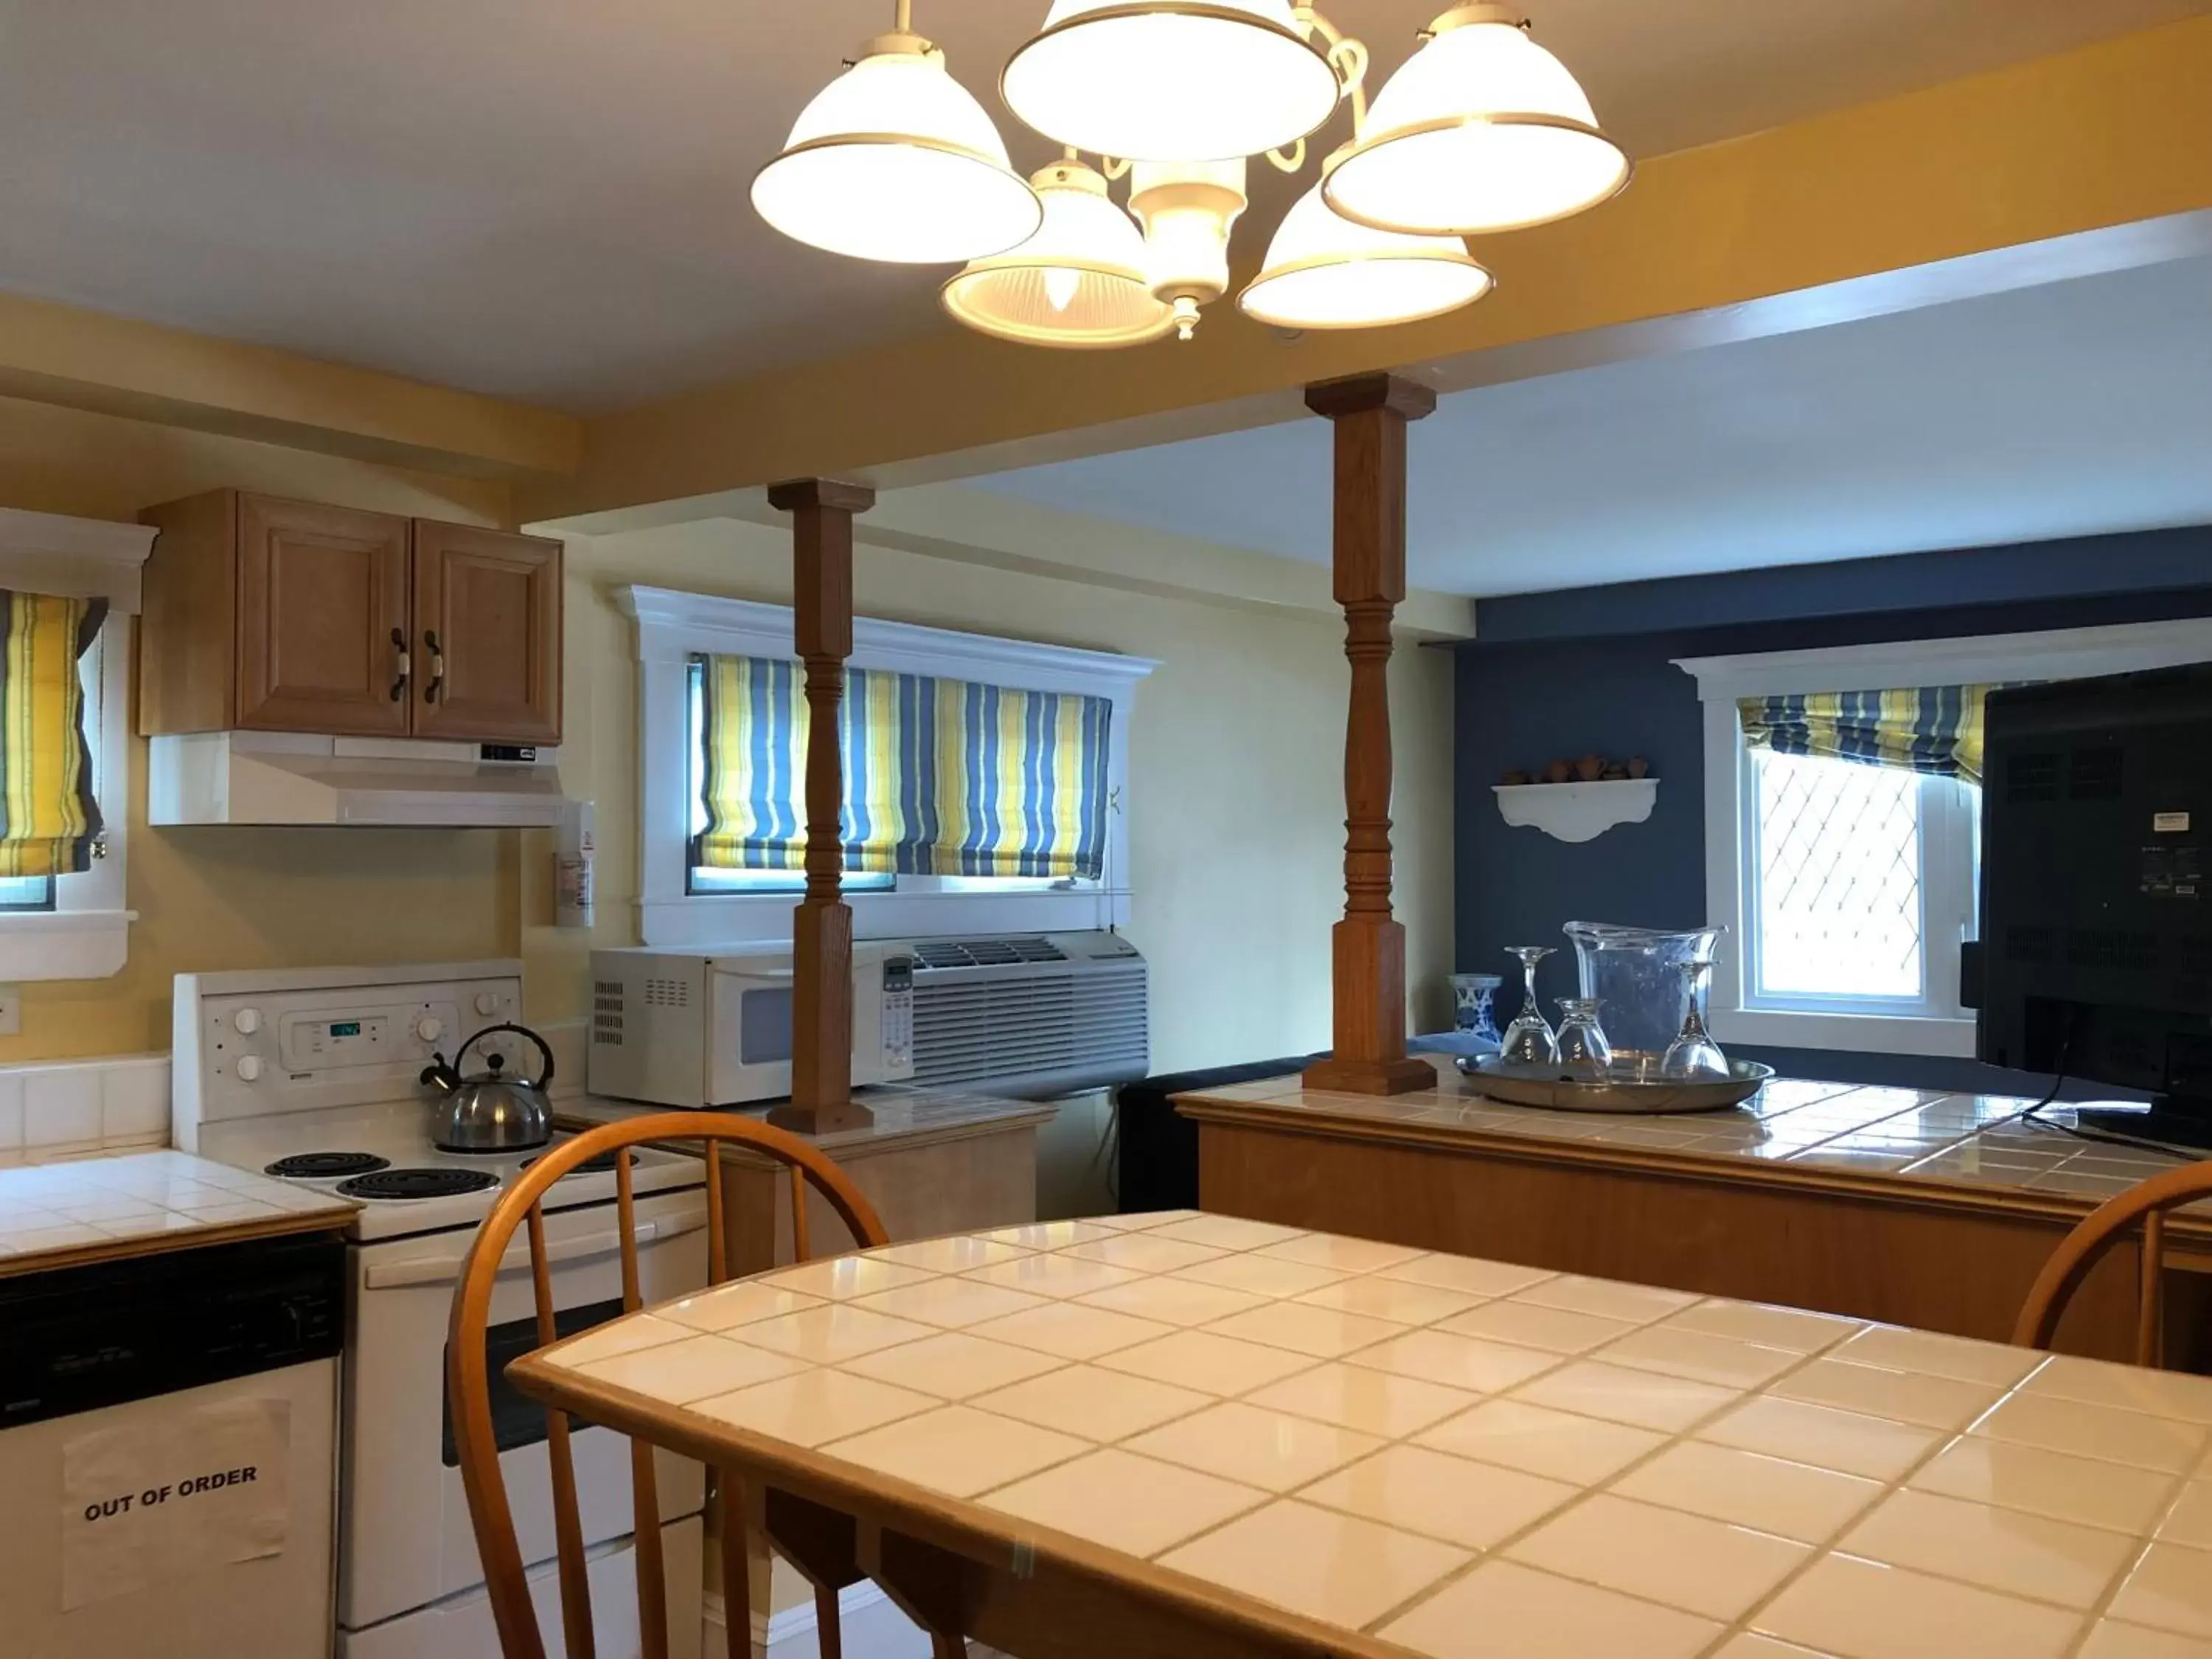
(1369, 412)
(822, 926)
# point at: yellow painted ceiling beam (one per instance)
(2108, 135)
(57, 354)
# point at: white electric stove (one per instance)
(313, 1076)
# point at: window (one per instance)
(688, 896)
(1847, 888)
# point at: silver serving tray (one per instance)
(1625, 1091)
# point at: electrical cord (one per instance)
(2034, 1114)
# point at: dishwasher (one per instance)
(167, 1454)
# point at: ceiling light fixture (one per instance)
(1324, 271)
(896, 160)
(1171, 79)
(1080, 282)
(1480, 130)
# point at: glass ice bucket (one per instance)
(1636, 974)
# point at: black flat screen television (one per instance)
(2096, 916)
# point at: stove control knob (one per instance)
(487, 1002)
(429, 1029)
(249, 1021)
(249, 1068)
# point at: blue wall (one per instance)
(1561, 674)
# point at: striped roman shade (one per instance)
(1934, 729)
(48, 818)
(942, 777)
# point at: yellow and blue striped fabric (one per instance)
(1934, 729)
(942, 777)
(48, 818)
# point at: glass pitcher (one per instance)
(1637, 974)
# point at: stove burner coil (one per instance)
(593, 1165)
(418, 1183)
(326, 1166)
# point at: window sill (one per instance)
(1877, 1034)
(755, 918)
(64, 944)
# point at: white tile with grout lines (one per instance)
(1715, 1480)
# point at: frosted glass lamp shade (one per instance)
(896, 160)
(1324, 271)
(1078, 283)
(1171, 79)
(1481, 130)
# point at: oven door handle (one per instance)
(447, 1269)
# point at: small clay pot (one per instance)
(1559, 771)
(1515, 780)
(1590, 768)
(1638, 766)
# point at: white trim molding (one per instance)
(673, 627)
(87, 934)
(1940, 1027)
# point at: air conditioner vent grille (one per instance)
(1061, 1027)
(986, 952)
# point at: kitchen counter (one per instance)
(1184, 1432)
(100, 1209)
(1981, 1142)
(1916, 1207)
(903, 1116)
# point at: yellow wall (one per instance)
(1235, 790)
(234, 898)
(1236, 787)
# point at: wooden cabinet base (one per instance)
(1943, 1265)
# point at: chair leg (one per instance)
(829, 1634)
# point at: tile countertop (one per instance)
(1434, 1455)
(97, 1209)
(1978, 1141)
(903, 1114)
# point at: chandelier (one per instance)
(1481, 130)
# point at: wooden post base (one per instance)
(1402, 1076)
(823, 1119)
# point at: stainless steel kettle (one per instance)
(490, 1111)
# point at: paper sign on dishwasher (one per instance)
(190, 1490)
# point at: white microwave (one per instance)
(713, 1027)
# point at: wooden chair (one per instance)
(2147, 1201)
(469, 1387)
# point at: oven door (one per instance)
(404, 1538)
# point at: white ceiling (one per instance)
(546, 199)
(2073, 409)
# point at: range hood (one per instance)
(282, 778)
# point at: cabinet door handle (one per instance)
(437, 666)
(403, 667)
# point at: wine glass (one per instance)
(1585, 1053)
(1693, 1056)
(1530, 1040)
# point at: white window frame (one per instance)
(1943, 1028)
(674, 627)
(87, 934)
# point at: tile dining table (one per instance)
(1187, 1434)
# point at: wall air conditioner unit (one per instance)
(1030, 1015)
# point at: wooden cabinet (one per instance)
(488, 612)
(275, 616)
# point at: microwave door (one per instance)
(749, 1058)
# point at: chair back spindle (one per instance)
(469, 1381)
(2146, 1202)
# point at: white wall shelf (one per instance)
(1576, 812)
